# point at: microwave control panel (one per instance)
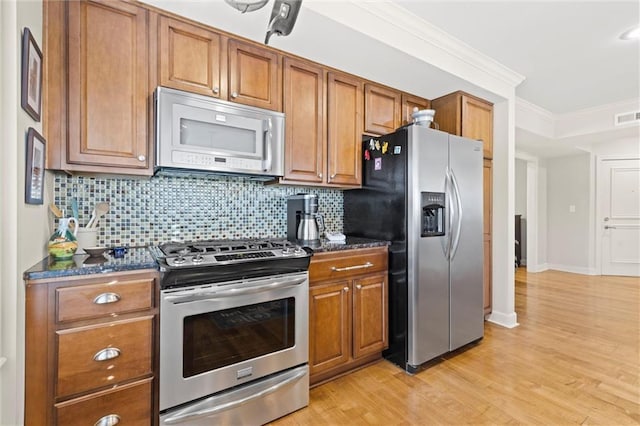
(206, 160)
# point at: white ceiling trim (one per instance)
(534, 119)
(590, 121)
(407, 32)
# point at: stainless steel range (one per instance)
(233, 331)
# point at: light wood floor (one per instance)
(574, 359)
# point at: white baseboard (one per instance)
(572, 269)
(541, 267)
(505, 320)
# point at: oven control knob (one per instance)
(197, 258)
(299, 250)
(286, 250)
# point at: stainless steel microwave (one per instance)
(201, 133)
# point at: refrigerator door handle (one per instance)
(456, 238)
(448, 190)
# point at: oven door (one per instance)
(215, 337)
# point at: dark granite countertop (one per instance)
(350, 243)
(83, 264)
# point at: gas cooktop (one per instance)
(200, 262)
(224, 252)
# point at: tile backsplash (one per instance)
(150, 211)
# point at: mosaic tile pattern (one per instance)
(150, 211)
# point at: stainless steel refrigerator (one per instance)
(422, 190)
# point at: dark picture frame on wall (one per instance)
(31, 97)
(34, 177)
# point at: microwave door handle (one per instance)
(269, 140)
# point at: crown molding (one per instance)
(407, 32)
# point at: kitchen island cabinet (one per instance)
(91, 349)
(347, 311)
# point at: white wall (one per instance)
(23, 228)
(542, 217)
(568, 233)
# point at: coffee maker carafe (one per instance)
(304, 223)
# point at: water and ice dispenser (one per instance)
(433, 214)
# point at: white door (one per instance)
(618, 218)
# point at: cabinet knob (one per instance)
(345, 289)
(358, 286)
(108, 420)
(216, 90)
(105, 298)
(106, 354)
(141, 158)
(332, 176)
(320, 175)
(234, 95)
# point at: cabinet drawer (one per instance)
(98, 300)
(130, 405)
(104, 355)
(342, 264)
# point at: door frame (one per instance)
(597, 236)
(532, 231)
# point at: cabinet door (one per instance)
(369, 315)
(130, 404)
(344, 126)
(108, 85)
(488, 291)
(487, 192)
(381, 109)
(189, 57)
(304, 106)
(487, 183)
(329, 326)
(409, 102)
(477, 123)
(254, 76)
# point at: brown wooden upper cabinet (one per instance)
(465, 115)
(196, 59)
(381, 109)
(96, 119)
(191, 58)
(344, 129)
(254, 76)
(323, 128)
(304, 108)
(409, 102)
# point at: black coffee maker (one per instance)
(304, 223)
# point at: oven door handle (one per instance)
(214, 295)
(189, 414)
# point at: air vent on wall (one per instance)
(627, 118)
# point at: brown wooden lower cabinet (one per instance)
(92, 368)
(347, 311)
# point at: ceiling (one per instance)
(568, 51)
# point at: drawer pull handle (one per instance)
(108, 420)
(104, 298)
(106, 354)
(351, 268)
